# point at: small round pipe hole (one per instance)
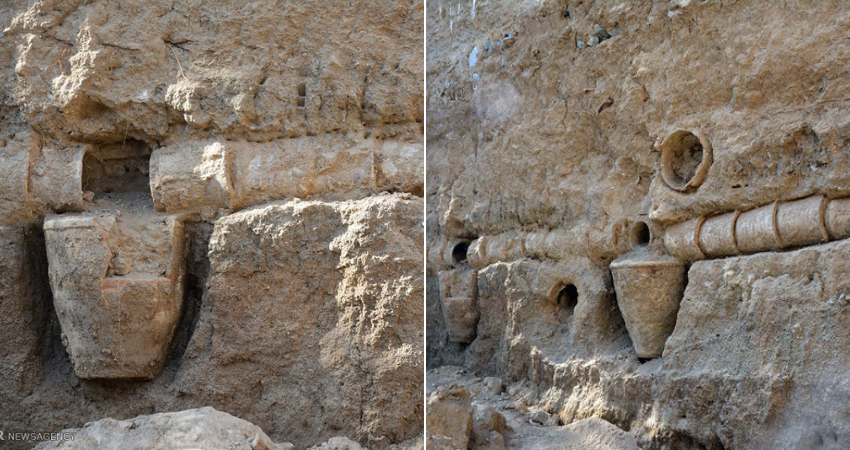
(640, 234)
(459, 252)
(568, 297)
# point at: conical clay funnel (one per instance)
(649, 287)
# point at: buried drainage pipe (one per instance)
(650, 285)
(597, 245)
(558, 244)
(776, 226)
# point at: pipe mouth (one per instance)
(568, 297)
(117, 171)
(565, 295)
(639, 234)
(685, 160)
(459, 252)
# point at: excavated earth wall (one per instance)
(547, 121)
(213, 204)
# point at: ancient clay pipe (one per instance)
(776, 226)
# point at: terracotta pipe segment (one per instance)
(477, 253)
(682, 240)
(717, 235)
(756, 230)
(802, 222)
(512, 246)
(779, 225)
(837, 218)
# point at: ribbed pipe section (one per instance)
(776, 226)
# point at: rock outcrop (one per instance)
(312, 319)
(465, 412)
(450, 417)
(203, 428)
(195, 428)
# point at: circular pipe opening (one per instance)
(640, 234)
(567, 297)
(685, 159)
(459, 252)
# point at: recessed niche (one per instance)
(117, 168)
(685, 160)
